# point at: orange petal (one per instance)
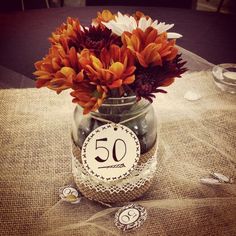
(73, 57)
(80, 76)
(141, 60)
(106, 15)
(66, 62)
(140, 34)
(116, 84)
(167, 82)
(106, 75)
(55, 65)
(173, 54)
(129, 80)
(157, 60)
(105, 56)
(41, 83)
(130, 70)
(149, 51)
(41, 72)
(99, 102)
(117, 69)
(115, 52)
(135, 42)
(97, 64)
(127, 41)
(47, 67)
(86, 110)
(45, 77)
(83, 61)
(67, 71)
(92, 71)
(151, 37)
(38, 65)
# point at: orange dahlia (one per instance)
(69, 32)
(113, 68)
(89, 96)
(58, 69)
(150, 48)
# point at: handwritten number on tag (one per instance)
(98, 158)
(105, 149)
(114, 150)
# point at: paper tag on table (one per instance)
(69, 194)
(130, 217)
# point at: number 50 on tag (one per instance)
(110, 153)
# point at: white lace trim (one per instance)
(139, 176)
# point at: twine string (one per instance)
(121, 122)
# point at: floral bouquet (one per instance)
(113, 68)
(118, 54)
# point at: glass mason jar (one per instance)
(137, 116)
(141, 119)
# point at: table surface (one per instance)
(24, 34)
(196, 138)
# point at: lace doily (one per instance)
(139, 176)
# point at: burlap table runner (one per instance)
(196, 138)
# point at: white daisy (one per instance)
(124, 23)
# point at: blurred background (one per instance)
(222, 6)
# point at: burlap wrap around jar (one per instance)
(137, 116)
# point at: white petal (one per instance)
(112, 25)
(119, 14)
(209, 181)
(221, 177)
(124, 27)
(128, 23)
(156, 26)
(107, 24)
(142, 24)
(162, 27)
(155, 22)
(168, 26)
(149, 22)
(192, 96)
(134, 23)
(117, 30)
(171, 35)
(124, 19)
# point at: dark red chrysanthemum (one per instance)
(94, 39)
(97, 38)
(148, 80)
(73, 34)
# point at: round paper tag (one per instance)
(110, 152)
(130, 217)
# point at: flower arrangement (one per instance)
(117, 55)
